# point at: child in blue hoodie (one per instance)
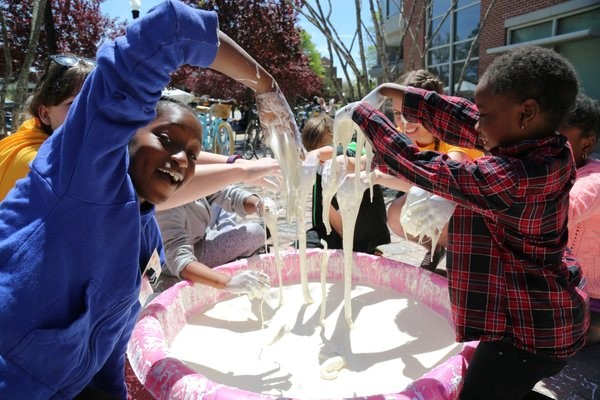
(74, 232)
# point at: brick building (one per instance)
(442, 35)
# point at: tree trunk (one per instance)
(23, 80)
(7, 74)
(475, 40)
(380, 42)
(364, 76)
(321, 21)
(50, 31)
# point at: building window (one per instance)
(392, 8)
(452, 31)
(530, 33)
(582, 52)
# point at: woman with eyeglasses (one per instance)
(424, 140)
(71, 232)
(48, 107)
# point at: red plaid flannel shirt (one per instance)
(506, 273)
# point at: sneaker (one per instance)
(430, 262)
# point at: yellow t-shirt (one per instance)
(16, 153)
(447, 148)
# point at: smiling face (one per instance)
(163, 153)
(415, 131)
(500, 118)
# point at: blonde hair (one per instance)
(315, 129)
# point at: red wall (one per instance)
(493, 33)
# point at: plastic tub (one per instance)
(169, 378)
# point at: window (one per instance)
(392, 8)
(532, 32)
(582, 52)
(451, 34)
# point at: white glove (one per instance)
(345, 112)
(374, 99)
(276, 117)
(424, 214)
(251, 282)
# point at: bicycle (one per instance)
(254, 140)
(218, 136)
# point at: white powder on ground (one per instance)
(394, 341)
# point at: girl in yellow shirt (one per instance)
(49, 106)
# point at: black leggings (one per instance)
(499, 370)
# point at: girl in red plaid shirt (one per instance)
(510, 286)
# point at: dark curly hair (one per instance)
(585, 115)
(533, 72)
(164, 103)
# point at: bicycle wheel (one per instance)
(208, 142)
(260, 147)
(225, 142)
(249, 138)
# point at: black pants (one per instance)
(498, 370)
(89, 393)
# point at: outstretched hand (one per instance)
(264, 172)
(375, 98)
(345, 113)
(276, 118)
(393, 91)
(251, 282)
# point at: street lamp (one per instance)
(135, 8)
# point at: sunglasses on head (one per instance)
(68, 61)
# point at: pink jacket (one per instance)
(584, 223)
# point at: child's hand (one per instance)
(322, 153)
(394, 92)
(256, 170)
(253, 283)
(375, 98)
(345, 112)
(276, 118)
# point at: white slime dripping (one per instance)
(270, 216)
(308, 175)
(324, 263)
(349, 195)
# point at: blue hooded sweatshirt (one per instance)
(72, 237)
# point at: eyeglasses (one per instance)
(400, 116)
(68, 61)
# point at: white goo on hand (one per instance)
(424, 215)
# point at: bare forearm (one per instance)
(208, 179)
(197, 272)
(391, 182)
(236, 63)
(335, 219)
(252, 205)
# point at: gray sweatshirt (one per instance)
(184, 226)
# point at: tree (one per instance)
(69, 26)
(314, 58)
(266, 29)
(314, 12)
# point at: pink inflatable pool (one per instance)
(168, 378)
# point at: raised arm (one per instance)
(451, 119)
(236, 63)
